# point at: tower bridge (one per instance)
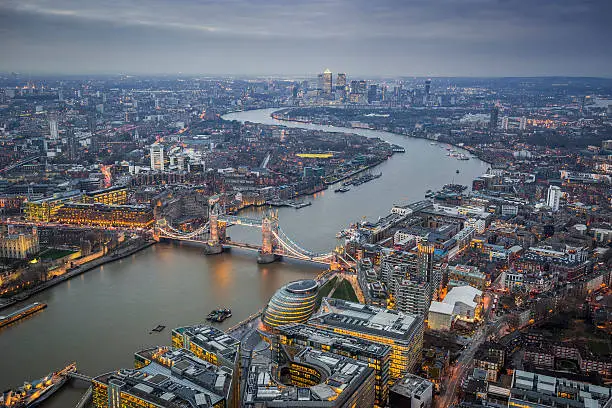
(275, 244)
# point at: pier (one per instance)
(85, 399)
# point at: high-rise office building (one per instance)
(341, 87)
(412, 296)
(53, 129)
(504, 123)
(552, 200)
(494, 118)
(341, 81)
(166, 377)
(372, 91)
(157, 157)
(327, 82)
(403, 332)
(427, 270)
(376, 355)
(427, 90)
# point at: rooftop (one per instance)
(211, 339)
(302, 286)
(341, 377)
(369, 319)
(186, 384)
(412, 385)
(334, 340)
(463, 294)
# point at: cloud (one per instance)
(429, 37)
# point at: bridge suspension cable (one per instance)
(289, 245)
(177, 234)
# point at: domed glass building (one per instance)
(293, 303)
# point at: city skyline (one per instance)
(388, 38)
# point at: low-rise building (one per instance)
(16, 244)
(46, 209)
(462, 275)
(100, 215)
(530, 390)
(411, 392)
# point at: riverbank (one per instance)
(282, 118)
(76, 272)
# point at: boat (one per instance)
(433, 143)
(342, 190)
(31, 394)
(397, 149)
(21, 313)
(219, 315)
(463, 157)
(302, 205)
(457, 171)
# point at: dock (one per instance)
(288, 203)
(85, 399)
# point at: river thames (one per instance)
(101, 318)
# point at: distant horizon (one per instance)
(24, 73)
(434, 38)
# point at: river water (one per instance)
(101, 318)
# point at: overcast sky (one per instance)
(302, 37)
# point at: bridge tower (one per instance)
(269, 228)
(217, 232)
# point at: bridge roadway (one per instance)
(79, 376)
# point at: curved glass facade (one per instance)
(293, 303)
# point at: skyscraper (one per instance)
(554, 194)
(372, 91)
(494, 117)
(327, 82)
(341, 81)
(427, 90)
(53, 129)
(341, 87)
(157, 157)
(426, 270)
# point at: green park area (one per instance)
(345, 291)
(55, 253)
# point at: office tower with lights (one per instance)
(552, 200)
(324, 83)
(403, 332)
(341, 87)
(53, 129)
(157, 157)
(293, 303)
(327, 82)
(494, 117)
(341, 80)
(427, 91)
(376, 355)
(372, 93)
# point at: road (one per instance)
(465, 358)
(458, 371)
